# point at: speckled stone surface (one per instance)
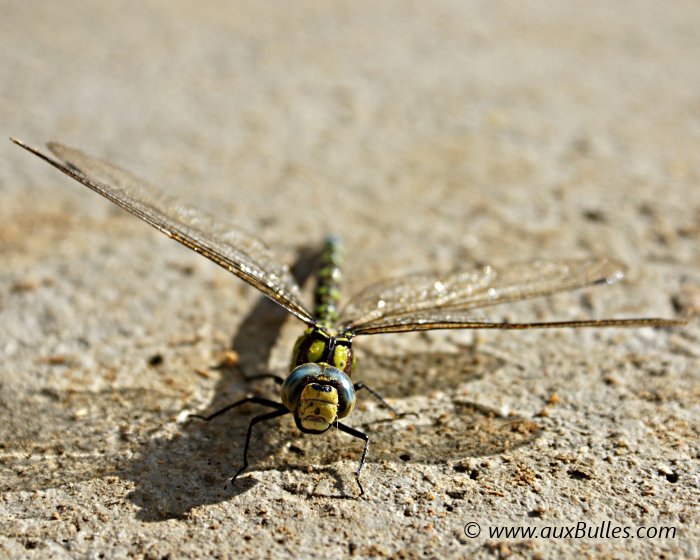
(429, 135)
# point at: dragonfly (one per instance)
(318, 392)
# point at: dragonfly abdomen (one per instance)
(327, 293)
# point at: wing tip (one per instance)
(37, 152)
(19, 142)
(27, 147)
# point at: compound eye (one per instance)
(295, 382)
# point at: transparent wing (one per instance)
(407, 295)
(458, 319)
(243, 255)
(422, 299)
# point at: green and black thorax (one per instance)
(318, 346)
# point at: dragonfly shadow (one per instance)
(460, 431)
(126, 435)
(457, 431)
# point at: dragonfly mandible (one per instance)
(318, 392)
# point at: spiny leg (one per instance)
(383, 401)
(254, 399)
(262, 418)
(360, 435)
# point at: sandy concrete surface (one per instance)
(429, 135)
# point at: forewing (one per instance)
(234, 250)
(459, 319)
(401, 298)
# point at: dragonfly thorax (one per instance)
(317, 345)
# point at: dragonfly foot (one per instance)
(238, 473)
(359, 484)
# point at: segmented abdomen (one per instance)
(327, 293)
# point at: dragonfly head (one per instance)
(318, 394)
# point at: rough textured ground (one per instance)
(430, 136)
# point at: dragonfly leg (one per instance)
(360, 435)
(382, 400)
(262, 418)
(377, 396)
(253, 399)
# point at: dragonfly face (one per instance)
(317, 395)
(318, 391)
